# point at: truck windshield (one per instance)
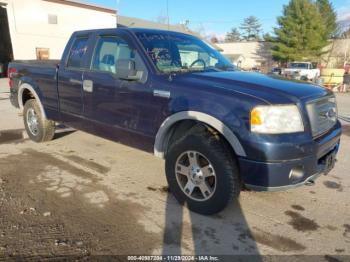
(171, 52)
(299, 65)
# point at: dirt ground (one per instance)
(81, 195)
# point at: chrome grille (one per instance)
(322, 114)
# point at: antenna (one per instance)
(169, 44)
(167, 14)
(116, 12)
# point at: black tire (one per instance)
(46, 128)
(228, 184)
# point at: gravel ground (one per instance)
(81, 195)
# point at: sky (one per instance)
(216, 17)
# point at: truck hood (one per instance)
(268, 88)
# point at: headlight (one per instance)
(276, 119)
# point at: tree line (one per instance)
(249, 30)
(302, 32)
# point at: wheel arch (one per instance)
(25, 87)
(165, 131)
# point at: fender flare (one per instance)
(162, 137)
(21, 89)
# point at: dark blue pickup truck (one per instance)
(218, 129)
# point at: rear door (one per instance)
(70, 78)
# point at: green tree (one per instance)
(233, 36)
(251, 28)
(329, 17)
(300, 34)
(267, 37)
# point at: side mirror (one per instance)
(126, 70)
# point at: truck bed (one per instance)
(37, 63)
(34, 72)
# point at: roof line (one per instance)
(84, 5)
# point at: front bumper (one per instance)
(286, 174)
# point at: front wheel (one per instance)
(38, 128)
(202, 173)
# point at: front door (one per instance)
(123, 107)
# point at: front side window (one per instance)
(108, 51)
(179, 52)
(78, 53)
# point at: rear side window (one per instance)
(109, 49)
(77, 53)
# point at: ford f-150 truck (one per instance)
(218, 129)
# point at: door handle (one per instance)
(88, 86)
(74, 81)
(161, 93)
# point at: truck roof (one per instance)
(133, 29)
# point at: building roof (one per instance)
(85, 5)
(137, 22)
(125, 21)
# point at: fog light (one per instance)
(296, 174)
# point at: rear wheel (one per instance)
(202, 173)
(38, 128)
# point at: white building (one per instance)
(40, 29)
(338, 53)
(248, 55)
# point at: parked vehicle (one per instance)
(256, 70)
(304, 70)
(276, 71)
(217, 128)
